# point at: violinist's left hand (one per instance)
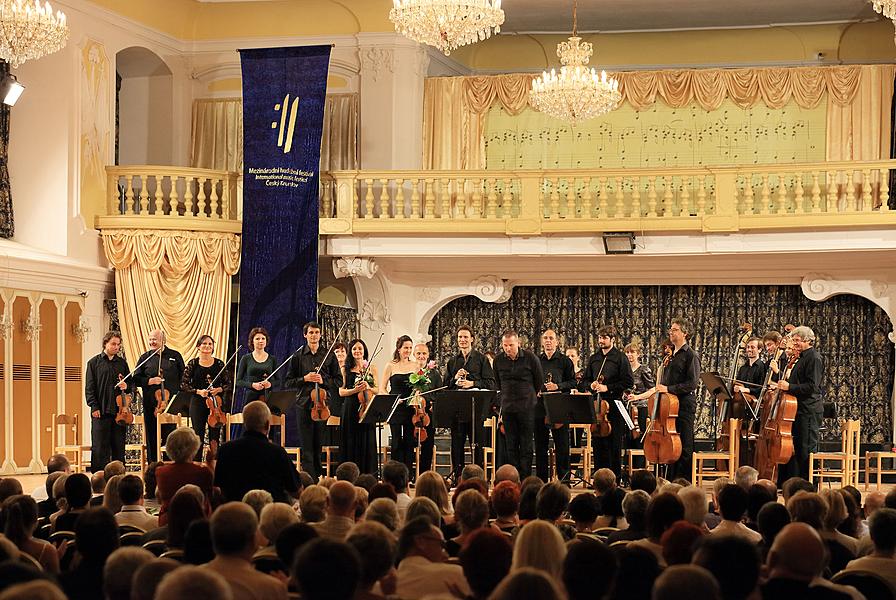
(661, 388)
(122, 385)
(783, 385)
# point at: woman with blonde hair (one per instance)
(527, 584)
(111, 498)
(539, 545)
(432, 485)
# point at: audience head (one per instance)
(347, 471)
(291, 539)
(431, 485)
(20, 516)
(695, 505)
(149, 575)
(98, 482)
(257, 417)
(58, 494)
(686, 581)
(769, 485)
(890, 498)
(276, 517)
(507, 473)
(528, 584)
(116, 467)
(149, 479)
(634, 508)
(313, 503)
(233, 528)
(551, 501)
(642, 479)
(664, 510)
(794, 485)
(77, 491)
(382, 490)
(486, 559)
(604, 481)
(305, 480)
(58, 463)
(96, 534)
(53, 477)
(771, 520)
(187, 505)
(364, 480)
(797, 553)
(327, 570)
(589, 569)
(505, 499)
(638, 569)
(717, 485)
(584, 509)
(472, 471)
(757, 496)
(529, 489)
(342, 498)
(733, 561)
(678, 542)
(882, 529)
(745, 476)
(258, 499)
(376, 549)
(471, 511)
(732, 502)
(396, 474)
(182, 444)
(836, 512)
(130, 490)
(421, 506)
(361, 502)
(38, 589)
(111, 497)
(540, 545)
(419, 537)
(850, 525)
(809, 508)
(385, 512)
(119, 570)
(195, 583)
(470, 484)
(198, 548)
(873, 501)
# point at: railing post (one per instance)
(346, 208)
(531, 215)
(725, 217)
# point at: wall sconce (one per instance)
(5, 327)
(619, 242)
(31, 327)
(81, 330)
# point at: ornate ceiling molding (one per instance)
(351, 266)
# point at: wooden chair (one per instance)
(700, 470)
(167, 419)
(237, 419)
(62, 425)
(878, 457)
(584, 454)
(847, 468)
(140, 447)
(281, 421)
(488, 452)
(630, 454)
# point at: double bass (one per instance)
(774, 444)
(662, 443)
(736, 408)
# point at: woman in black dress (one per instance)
(197, 374)
(357, 438)
(255, 368)
(396, 377)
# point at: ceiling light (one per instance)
(29, 30)
(447, 24)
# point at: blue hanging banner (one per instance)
(284, 90)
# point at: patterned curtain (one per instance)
(7, 226)
(851, 331)
(331, 318)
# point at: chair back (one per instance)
(29, 560)
(870, 584)
(279, 420)
(237, 419)
(157, 547)
(131, 538)
(176, 554)
(166, 419)
(61, 536)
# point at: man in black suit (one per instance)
(252, 462)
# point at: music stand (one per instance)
(179, 404)
(463, 406)
(720, 393)
(570, 409)
(281, 402)
(378, 410)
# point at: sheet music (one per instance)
(627, 417)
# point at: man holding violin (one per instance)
(681, 378)
(158, 378)
(313, 370)
(560, 376)
(608, 373)
(103, 386)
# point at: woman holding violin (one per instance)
(210, 383)
(107, 390)
(359, 385)
(253, 372)
(397, 377)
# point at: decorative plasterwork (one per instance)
(81, 330)
(427, 294)
(377, 61)
(821, 286)
(351, 266)
(374, 314)
(491, 288)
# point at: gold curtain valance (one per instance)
(175, 251)
(774, 86)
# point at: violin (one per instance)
(420, 419)
(602, 426)
(633, 414)
(216, 417)
(662, 443)
(163, 396)
(320, 410)
(123, 400)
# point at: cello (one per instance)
(774, 445)
(662, 443)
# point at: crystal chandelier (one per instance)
(577, 93)
(447, 24)
(29, 30)
(885, 7)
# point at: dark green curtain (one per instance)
(7, 226)
(851, 331)
(331, 318)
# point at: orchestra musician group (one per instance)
(632, 406)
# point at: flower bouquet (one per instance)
(420, 380)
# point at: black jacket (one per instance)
(252, 462)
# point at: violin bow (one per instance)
(330, 349)
(144, 361)
(211, 385)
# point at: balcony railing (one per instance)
(708, 199)
(160, 197)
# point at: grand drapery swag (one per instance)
(858, 128)
(852, 333)
(178, 282)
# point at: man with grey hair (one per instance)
(804, 381)
(253, 463)
(507, 473)
(119, 570)
(196, 583)
(746, 476)
(695, 506)
(634, 509)
(161, 369)
(233, 528)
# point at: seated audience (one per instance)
(662, 512)
(757, 496)
(507, 473)
(327, 570)
(38, 589)
(550, 505)
(772, 518)
(745, 476)
(340, 512)
(795, 563)
(58, 463)
(794, 485)
(686, 581)
(291, 539)
(195, 583)
(361, 503)
(472, 471)
(275, 517)
(605, 488)
(471, 514)
(432, 485)
(385, 512)
(198, 548)
(713, 518)
(118, 573)
(695, 506)
(642, 479)
(634, 507)
(882, 529)
(77, 495)
(48, 505)
(505, 503)
(812, 509)
(148, 576)
(837, 514)
(396, 474)
(732, 505)
(376, 549)
(589, 569)
(59, 498)
(233, 527)
(20, 521)
(584, 510)
(382, 490)
(529, 489)
(188, 505)
(313, 503)
(528, 584)
(678, 542)
(424, 507)
(182, 444)
(111, 498)
(9, 487)
(96, 537)
(873, 501)
(257, 500)
(422, 570)
(348, 471)
(853, 526)
(486, 560)
(733, 561)
(539, 545)
(252, 462)
(133, 513)
(97, 485)
(364, 480)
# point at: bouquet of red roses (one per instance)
(420, 380)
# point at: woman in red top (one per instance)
(182, 445)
